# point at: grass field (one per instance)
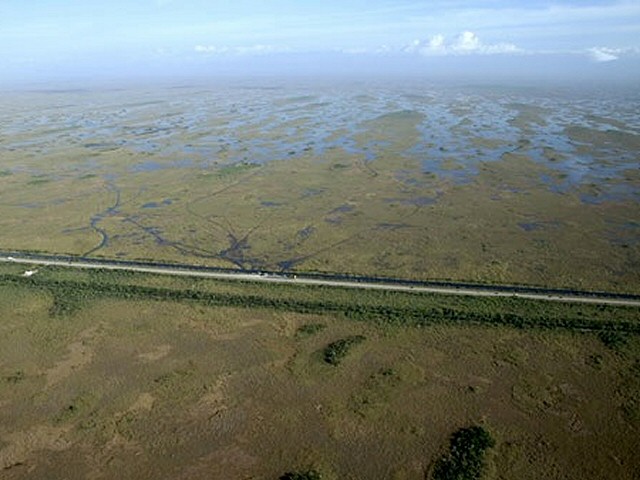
(491, 186)
(111, 374)
(114, 383)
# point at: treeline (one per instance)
(70, 295)
(427, 316)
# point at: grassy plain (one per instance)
(130, 386)
(402, 186)
(125, 375)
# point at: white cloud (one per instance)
(357, 50)
(603, 54)
(467, 42)
(210, 49)
(607, 54)
(240, 50)
(464, 44)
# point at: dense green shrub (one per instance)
(465, 459)
(66, 303)
(308, 475)
(336, 351)
(612, 339)
(71, 295)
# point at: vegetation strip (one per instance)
(452, 287)
(70, 295)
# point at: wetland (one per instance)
(499, 185)
(121, 374)
(100, 379)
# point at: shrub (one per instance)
(465, 459)
(310, 329)
(336, 351)
(612, 339)
(308, 475)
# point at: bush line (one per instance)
(69, 296)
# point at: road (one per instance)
(465, 290)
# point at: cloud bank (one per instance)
(603, 54)
(466, 43)
(240, 50)
(606, 54)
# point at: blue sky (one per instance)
(100, 38)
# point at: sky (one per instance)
(41, 40)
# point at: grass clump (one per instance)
(336, 351)
(310, 329)
(308, 475)
(466, 457)
(15, 377)
(38, 181)
(612, 339)
(67, 303)
(235, 169)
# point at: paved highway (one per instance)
(465, 290)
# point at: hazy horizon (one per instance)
(50, 41)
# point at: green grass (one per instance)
(236, 169)
(470, 233)
(179, 374)
(117, 375)
(38, 181)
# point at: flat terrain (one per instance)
(490, 185)
(101, 383)
(110, 373)
(469, 290)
